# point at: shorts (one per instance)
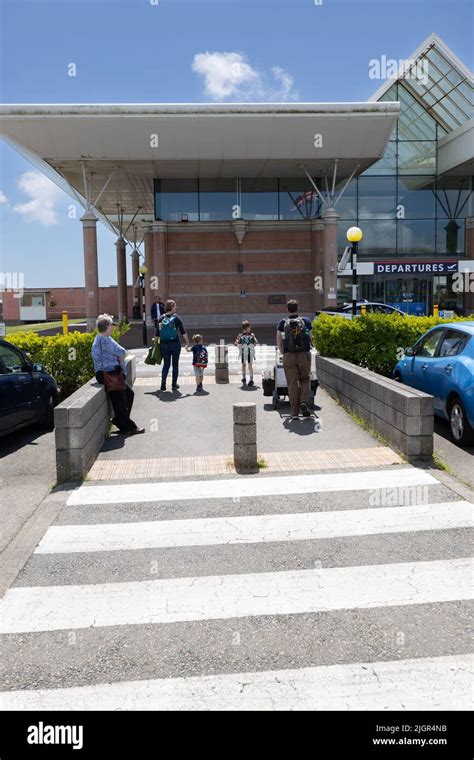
(198, 371)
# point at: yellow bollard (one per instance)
(435, 310)
(65, 323)
(363, 310)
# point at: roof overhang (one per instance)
(193, 140)
(456, 151)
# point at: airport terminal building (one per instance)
(242, 206)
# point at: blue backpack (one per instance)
(168, 329)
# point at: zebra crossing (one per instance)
(247, 592)
(263, 357)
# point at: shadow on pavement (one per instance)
(171, 395)
(25, 437)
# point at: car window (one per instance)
(428, 345)
(453, 343)
(12, 359)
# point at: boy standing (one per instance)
(246, 342)
(200, 359)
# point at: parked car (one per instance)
(28, 394)
(372, 307)
(441, 363)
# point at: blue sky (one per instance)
(174, 51)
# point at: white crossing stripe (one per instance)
(431, 683)
(255, 529)
(46, 608)
(256, 486)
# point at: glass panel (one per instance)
(417, 157)
(259, 198)
(454, 198)
(347, 204)
(416, 196)
(379, 238)
(427, 346)
(416, 236)
(298, 199)
(450, 236)
(217, 197)
(414, 122)
(174, 197)
(453, 343)
(444, 295)
(377, 197)
(387, 164)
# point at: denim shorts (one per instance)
(198, 371)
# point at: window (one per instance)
(427, 346)
(453, 343)
(174, 197)
(377, 197)
(217, 198)
(298, 199)
(13, 360)
(416, 236)
(416, 197)
(259, 198)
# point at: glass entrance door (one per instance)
(408, 295)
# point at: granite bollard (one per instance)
(245, 437)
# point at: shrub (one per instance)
(372, 341)
(66, 357)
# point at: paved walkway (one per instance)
(190, 433)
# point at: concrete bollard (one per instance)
(221, 371)
(245, 437)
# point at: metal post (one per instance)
(65, 323)
(145, 332)
(354, 278)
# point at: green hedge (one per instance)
(372, 341)
(66, 357)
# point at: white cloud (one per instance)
(3, 198)
(44, 195)
(229, 75)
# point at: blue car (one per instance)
(441, 363)
(28, 394)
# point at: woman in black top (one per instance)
(169, 328)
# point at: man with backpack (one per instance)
(294, 342)
(169, 329)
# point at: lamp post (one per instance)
(142, 272)
(354, 235)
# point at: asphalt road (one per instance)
(27, 474)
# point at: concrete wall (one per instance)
(81, 424)
(403, 415)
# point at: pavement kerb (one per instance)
(20, 548)
(449, 481)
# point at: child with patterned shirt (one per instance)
(200, 359)
(246, 342)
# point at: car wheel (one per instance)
(461, 431)
(47, 420)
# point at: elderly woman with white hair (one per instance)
(109, 365)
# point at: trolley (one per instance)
(274, 381)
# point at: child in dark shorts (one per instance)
(200, 359)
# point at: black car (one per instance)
(28, 394)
